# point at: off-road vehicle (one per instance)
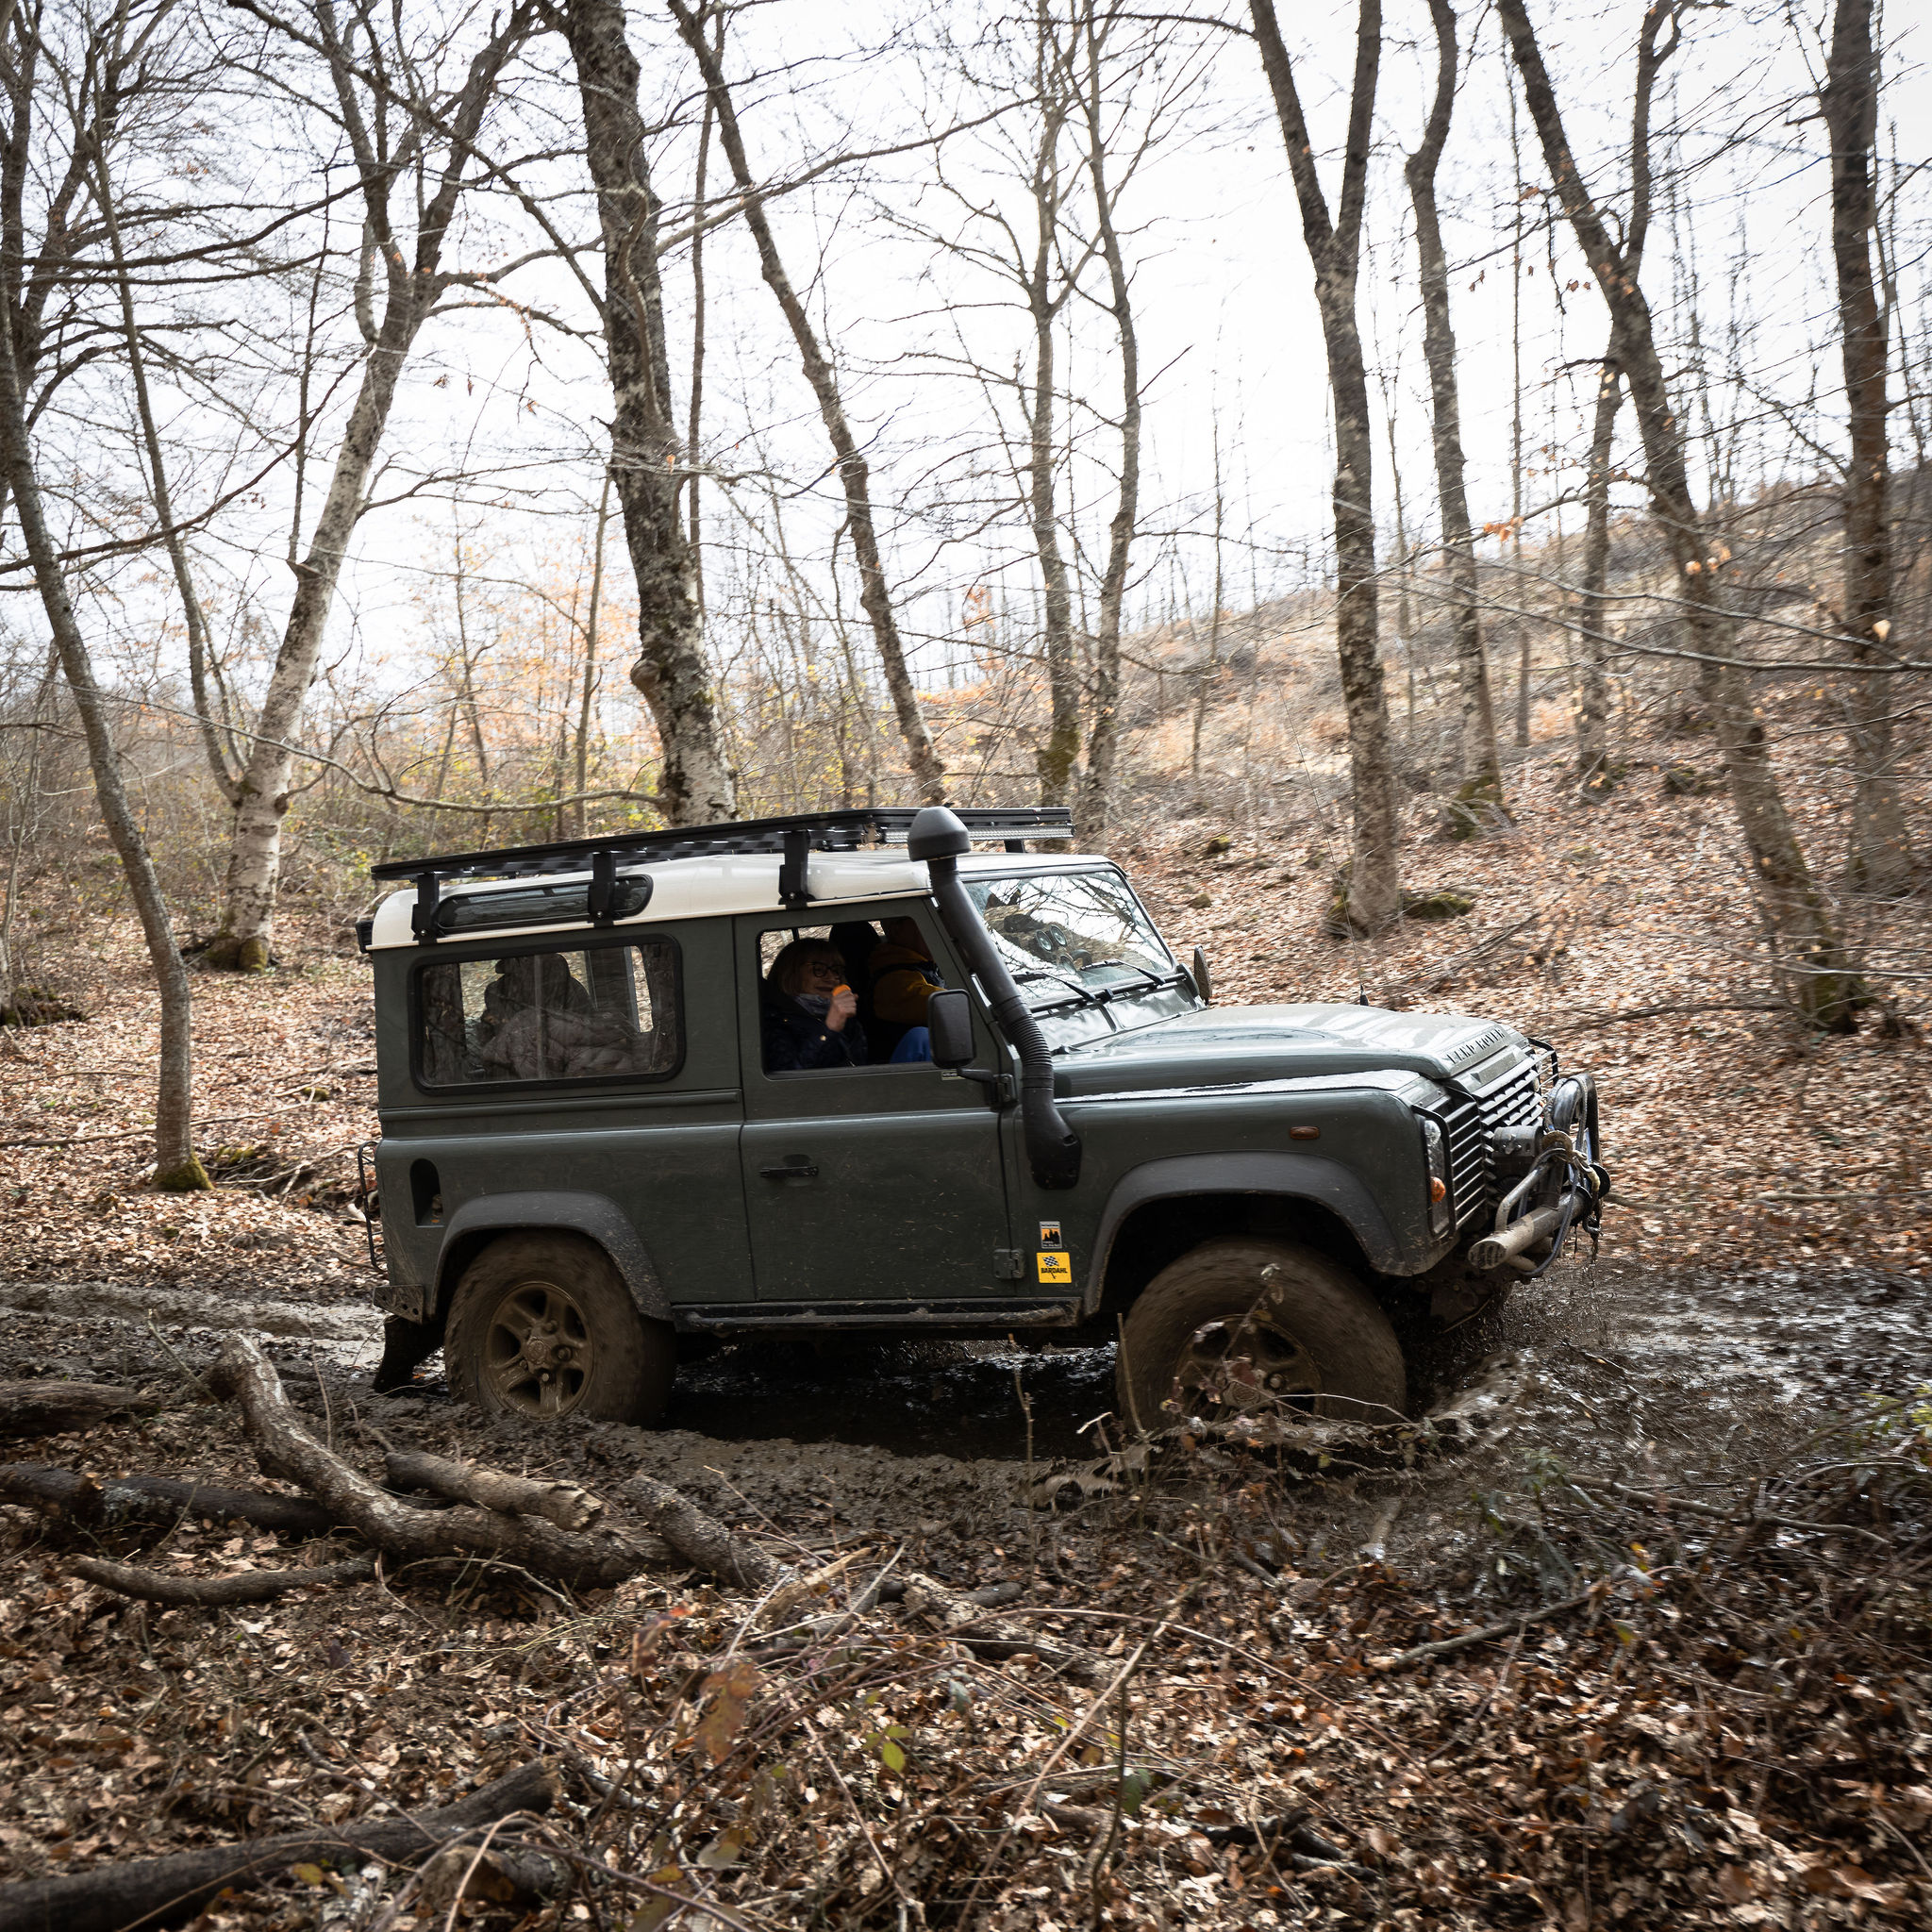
(593, 1156)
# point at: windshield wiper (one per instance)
(1160, 982)
(1072, 986)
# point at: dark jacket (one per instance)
(796, 1039)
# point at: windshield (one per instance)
(1083, 951)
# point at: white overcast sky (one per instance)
(1223, 291)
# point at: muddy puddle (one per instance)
(1692, 1370)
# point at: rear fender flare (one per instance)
(594, 1216)
(1285, 1176)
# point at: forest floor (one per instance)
(1703, 1459)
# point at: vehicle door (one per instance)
(871, 1181)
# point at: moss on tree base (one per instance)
(225, 953)
(1441, 904)
(191, 1178)
(1476, 808)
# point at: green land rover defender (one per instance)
(617, 1124)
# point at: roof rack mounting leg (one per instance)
(792, 888)
(600, 900)
(1016, 844)
(423, 913)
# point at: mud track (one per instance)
(1613, 1369)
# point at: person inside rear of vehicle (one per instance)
(903, 980)
(809, 1011)
(539, 1024)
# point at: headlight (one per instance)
(1435, 1154)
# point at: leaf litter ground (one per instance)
(1708, 1445)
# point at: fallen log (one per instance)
(107, 1503)
(701, 1540)
(244, 1587)
(497, 1875)
(153, 1892)
(564, 1503)
(52, 1409)
(283, 1445)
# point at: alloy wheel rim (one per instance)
(537, 1355)
(1248, 1364)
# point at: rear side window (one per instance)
(577, 1013)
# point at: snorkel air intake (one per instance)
(1053, 1148)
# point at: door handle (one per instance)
(802, 1171)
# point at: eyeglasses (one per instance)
(825, 969)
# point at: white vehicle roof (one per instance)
(707, 888)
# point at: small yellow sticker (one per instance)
(1057, 1267)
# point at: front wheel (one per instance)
(1243, 1324)
(542, 1327)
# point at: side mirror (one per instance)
(949, 1020)
(1203, 985)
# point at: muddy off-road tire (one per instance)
(542, 1327)
(1311, 1334)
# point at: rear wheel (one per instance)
(542, 1327)
(1241, 1323)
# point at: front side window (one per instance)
(579, 1014)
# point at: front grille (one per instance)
(1469, 1123)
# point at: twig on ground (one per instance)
(244, 1587)
(1447, 1646)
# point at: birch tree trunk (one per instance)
(384, 156)
(246, 940)
(1825, 990)
(1881, 857)
(1481, 764)
(696, 784)
(928, 774)
(1103, 736)
(1375, 894)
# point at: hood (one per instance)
(1223, 1046)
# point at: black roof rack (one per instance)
(824, 831)
(794, 836)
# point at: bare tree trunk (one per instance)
(1881, 857)
(696, 784)
(1209, 670)
(693, 438)
(193, 620)
(590, 617)
(1825, 990)
(1056, 758)
(928, 774)
(1103, 736)
(175, 1166)
(254, 870)
(1594, 688)
(21, 826)
(1517, 586)
(1481, 762)
(1374, 895)
(246, 937)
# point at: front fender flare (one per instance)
(1291, 1176)
(595, 1216)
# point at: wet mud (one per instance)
(1608, 1365)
